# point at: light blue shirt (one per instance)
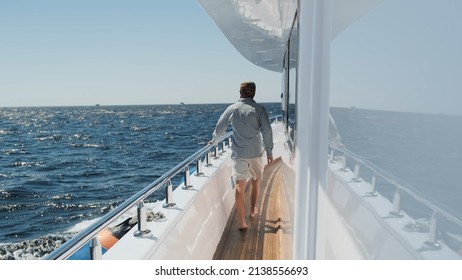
(252, 130)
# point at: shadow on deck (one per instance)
(268, 236)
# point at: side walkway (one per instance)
(268, 236)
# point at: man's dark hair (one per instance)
(247, 90)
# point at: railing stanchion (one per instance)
(344, 164)
(373, 192)
(95, 249)
(396, 211)
(142, 225)
(169, 195)
(356, 177)
(217, 154)
(432, 242)
(208, 160)
(187, 178)
(199, 167)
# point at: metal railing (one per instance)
(436, 213)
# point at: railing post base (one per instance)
(187, 181)
(430, 246)
(142, 216)
(96, 252)
(169, 195)
(398, 214)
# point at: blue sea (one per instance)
(63, 167)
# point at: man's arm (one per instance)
(267, 134)
(221, 126)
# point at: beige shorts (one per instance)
(245, 168)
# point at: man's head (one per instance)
(247, 90)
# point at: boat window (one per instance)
(395, 97)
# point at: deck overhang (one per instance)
(260, 29)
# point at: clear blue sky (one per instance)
(404, 55)
(55, 52)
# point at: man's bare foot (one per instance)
(243, 226)
(254, 213)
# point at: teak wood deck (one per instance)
(267, 237)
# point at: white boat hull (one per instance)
(194, 225)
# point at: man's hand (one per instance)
(270, 160)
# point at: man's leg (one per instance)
(253, 197)
(240, 208)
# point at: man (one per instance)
(252, 137)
